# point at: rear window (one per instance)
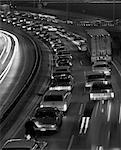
(53, 98)
(97, 76)
(101, 86)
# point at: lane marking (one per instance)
(120, 115)
(70, 143)
(80, 110)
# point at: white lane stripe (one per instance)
(80, 110)
(97, 108)
(120, 115)
(86, 125)
(82, 124)
(70, 143)
(109, 112)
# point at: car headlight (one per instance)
(52, 77)
(65, 107)
(53, 126)
(41, 106)
(91, 95)
(112, 94)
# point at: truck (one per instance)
(99, 44)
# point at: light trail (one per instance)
(8, 49)
(109, 111)
(120, 114)
(16, 47)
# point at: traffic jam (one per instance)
(48, 116)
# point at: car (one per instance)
(58, 47)
(82, 46)
(54, 98)
(85, 116)
(62, 69)
(47, 119)
(62, 83)
(60, 73)
(102, 66)
(101, 90)
(63, 57)
(63, 62)
(64, 52)
(93, 76)
(77, 40)
(23, 144)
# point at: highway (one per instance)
(104, 127)
(104, 131)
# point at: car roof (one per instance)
(93, 73)
(56, 92)
(19, 143)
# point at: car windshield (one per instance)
(49, 98)
(44, 113)
(94, 77)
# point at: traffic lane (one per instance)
(77, 97)
(62, 139)
(105, 126)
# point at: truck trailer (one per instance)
(99, 44)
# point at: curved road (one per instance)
(100, 133)
(104, 128)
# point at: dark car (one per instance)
(86, 116)
(24, 144)
(47, 119)
(60, 73)
(93, 76)
(62, 83)
(63, 62)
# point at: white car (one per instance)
(102, 66)
(101, 90)
(54, 98)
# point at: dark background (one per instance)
(106, 10)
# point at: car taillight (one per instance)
(91, 95)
